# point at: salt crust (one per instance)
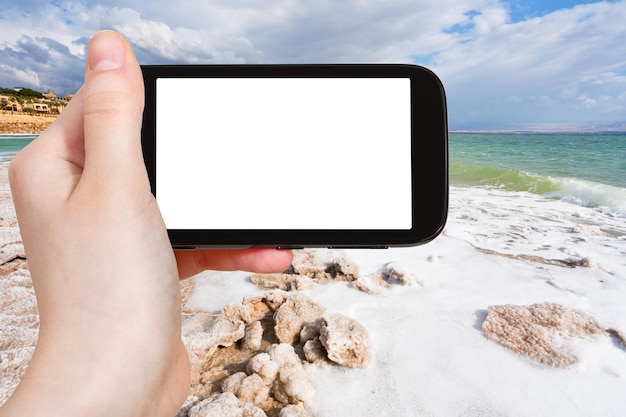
(346, 341)
(264, 339)
(306, 271)
(225, 405)
(542, 332)
(293, 314)
(19, 329)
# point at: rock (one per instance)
(302, 282)
(304, 263)
(19, 327)
(293, 314)
(237, 311)
(273, 281)
(346, 341)
(255, 307)
(15, 337)
(587, 230)
(285, 282)
(292, 384)
(263, 366)
(225, 405)
(342, 269)
(274, 380)
(283, 354)
(397, 274)
(253, 338)
(361, 285)
(540, 331)
(254, 390)
(203, 333)
(233, 382)
(314, 352)
(13, 365)
(189, 402)
(248, 388)
(294, 411)
(311, 330)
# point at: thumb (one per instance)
(113, 111)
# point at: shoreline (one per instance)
(499, 248)
(17, 124)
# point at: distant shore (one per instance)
(21, 123)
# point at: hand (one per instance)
(103, 270)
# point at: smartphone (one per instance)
(294, 156)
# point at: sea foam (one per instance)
(608, 199)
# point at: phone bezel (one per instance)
(429, 156)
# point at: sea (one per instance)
(10, 145)
(580, 168)
(587, 169)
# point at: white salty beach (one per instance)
(430, 356)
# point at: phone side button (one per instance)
(289, 247)
(358, 247)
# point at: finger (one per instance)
(113, 111)
(192, 262)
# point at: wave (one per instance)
(605, 198)
(18, 136)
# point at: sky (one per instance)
(505, 64)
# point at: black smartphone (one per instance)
(294, 156)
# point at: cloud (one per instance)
(41, 63)
(570, 53)
(495, 67)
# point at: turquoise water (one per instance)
(12, 144)
(585, 169)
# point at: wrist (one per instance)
(60, 381)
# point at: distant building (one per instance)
(38, 107)
(50, 95)
(67, 97)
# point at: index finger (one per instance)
(192, 262)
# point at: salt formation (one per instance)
(395, 273)
(540, 331)
(306, 271)
(346, 341)
(294, 411)
(19, 329)
(253, 337)
(293, 314)
(203, 333)
(281, 380)
(340, 269)
(225, 405)
(264, 340)
(286, 282)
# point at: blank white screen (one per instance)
(284, 153)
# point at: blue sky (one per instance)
(504, 64)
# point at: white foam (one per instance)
(431, 357)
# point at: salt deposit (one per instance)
(431, 356)
(258, 361)
(346, 341)
(225, 405)
(293, 314)
(541, 331)
(19, 319)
